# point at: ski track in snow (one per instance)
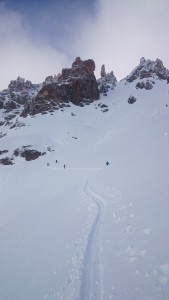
(91, 279)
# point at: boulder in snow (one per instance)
(131, 99)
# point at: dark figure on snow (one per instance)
(107, 163)
(56, 161)
(64, 166)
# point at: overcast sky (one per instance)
(40, 37)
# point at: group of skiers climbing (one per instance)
(64, 166)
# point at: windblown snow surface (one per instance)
(89, 231)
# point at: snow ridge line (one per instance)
(92, 279)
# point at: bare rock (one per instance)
(6, 161)
(50, 96)
(131, 99)
(144, 85)
(75, 84)
(79, 69)
(89, 66)
(50, 80)
(10, 105)
(78, 62)
(103, 71)
(1, 104)
(3, 151)
(28, 154)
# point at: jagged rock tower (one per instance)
(75, 84)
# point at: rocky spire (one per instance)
(107, 81)
(19, 91)
(103, 71)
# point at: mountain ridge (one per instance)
(87, 216)
(55, 90)
(75, 86)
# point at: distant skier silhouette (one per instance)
(107, 163)
(64, 166)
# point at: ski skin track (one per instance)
(92, 279)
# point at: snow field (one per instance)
(89, 231)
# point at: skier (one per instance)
(64, 166)
(107, 163)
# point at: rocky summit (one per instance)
(13, 99)
(147, 69)
(76, 85)
(18, 92)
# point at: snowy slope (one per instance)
(89, 231)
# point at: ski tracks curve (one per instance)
(92, 273)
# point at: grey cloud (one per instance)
(116, 33)
(20, 55)
(124, 31)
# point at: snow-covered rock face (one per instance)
(148, 68)
(107, 81)
(50, 79)
(13, 99)
(20, 84)
(18, 92)
(22, 90)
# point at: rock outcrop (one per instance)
(13, 99)
(148, 85)
(17, 94)
(51, 79)
(28, 154)
(3, 151)
(103, 71)
(1, 103)
(75, 84)
(19, 85)
(131, 100)
(148, 68)
(6, 161)
(107, 81)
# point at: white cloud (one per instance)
(117, 34)
(20, 55)
(124, 31)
